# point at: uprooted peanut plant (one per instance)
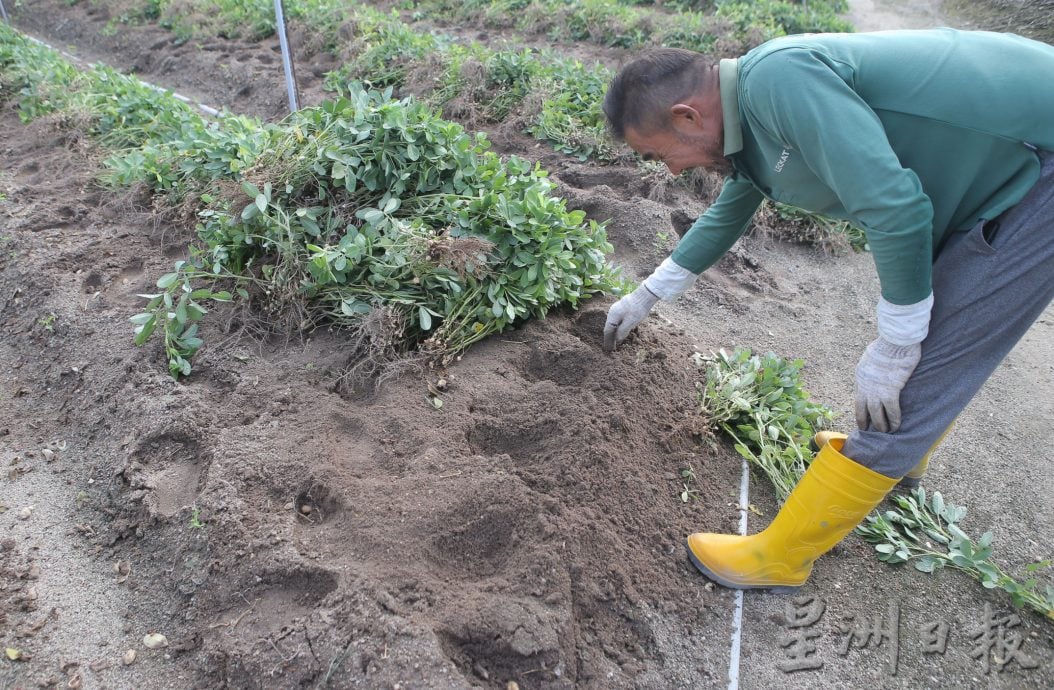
(760, 403)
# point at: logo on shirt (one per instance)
(782, 161)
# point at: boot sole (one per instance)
(775, 589)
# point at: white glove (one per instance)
(625, 314)
(669, 280)
(666, 282)
(904, 324)
(889, 361)
(880, 376)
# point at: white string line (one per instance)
(208, 110)
(737, 617)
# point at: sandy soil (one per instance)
(282, 534)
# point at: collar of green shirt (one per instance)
(728, 78)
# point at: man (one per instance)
(939, 145)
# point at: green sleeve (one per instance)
(714, 232)
(805, 101)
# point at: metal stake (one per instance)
(287, 58)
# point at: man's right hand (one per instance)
(625, 314)
(882, 373)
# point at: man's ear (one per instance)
(685, 117)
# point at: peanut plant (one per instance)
(364, 212)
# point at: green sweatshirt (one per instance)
(909, 135)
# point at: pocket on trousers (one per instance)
(989, 229)
(981, 237)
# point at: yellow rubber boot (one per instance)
(831, 499)
(912, 478)
(909, 480)
(822, 438)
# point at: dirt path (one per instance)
(882, 15)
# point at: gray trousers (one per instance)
(989, 285)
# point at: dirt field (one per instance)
(281, 533)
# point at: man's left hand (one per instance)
(881, 374)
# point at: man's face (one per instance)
(686, 143)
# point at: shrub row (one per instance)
(560, 97)
(700, 25)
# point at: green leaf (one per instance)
(143, 332)
(927, 564)
(371, 215)
(181, 310)
(195, 311)
(990, 575)
(936, 536)
(354, 308)
(425, 319)
(168, 280)
(957, 533)
(261, 202)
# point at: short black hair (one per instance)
(642, 92)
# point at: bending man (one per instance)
(940, 145)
